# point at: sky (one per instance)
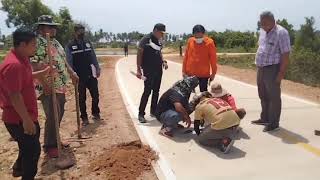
(180, 15)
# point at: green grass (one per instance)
(303, 68)
(237, 50)
(2, 54)
(1, 57)
(242, 62)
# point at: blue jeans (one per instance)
(170, 119)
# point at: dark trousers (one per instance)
(152, 84)
(211, 137)
(92, 85)
(270, 94)
(203, 84)
(50, 135)
(29, 150)
(126, 53)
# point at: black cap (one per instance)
(198, 29)
(78, 27)
(46, 20)
(160, 27)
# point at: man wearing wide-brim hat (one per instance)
(218, 92)
(46, 20)
(46, 25)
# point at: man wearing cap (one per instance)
(40, 61)
(272, 60)
(200, 58)
(174, 106)
(218, 92)
(150, 63)
(220, 122)
(82, 58)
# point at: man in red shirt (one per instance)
(19, 104)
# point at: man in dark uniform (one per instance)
(149, 59)
(82, 58)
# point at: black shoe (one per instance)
(271, 128)
(226, 145)
(96, 117)
(317, 132)
(142, 119)
(85, 122)
(17, 173)
(152, 115)
(16, 170)
(259, 122)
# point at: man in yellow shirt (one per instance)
(220, 122)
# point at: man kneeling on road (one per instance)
(220, 122)
(173, 105)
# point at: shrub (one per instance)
(304, 67)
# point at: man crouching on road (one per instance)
(173, 105)
(220, 122)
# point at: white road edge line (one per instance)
(143, 131)
(252, 86)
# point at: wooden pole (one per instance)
(77, 109)
(53, 93)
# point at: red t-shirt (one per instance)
(230, 100)
(16, 76)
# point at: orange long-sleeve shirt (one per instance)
(200, 59)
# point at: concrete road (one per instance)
(292, 153)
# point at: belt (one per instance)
(261, 67)
(225, 110)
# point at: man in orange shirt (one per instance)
(200, 58)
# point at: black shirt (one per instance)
(167, 101)
(151, 57)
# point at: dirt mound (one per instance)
(124, 161)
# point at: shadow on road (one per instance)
(242, 135)
(289, 137)
(235, 153)
(187, 134)
(152, 122)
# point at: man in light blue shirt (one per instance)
(272, 60)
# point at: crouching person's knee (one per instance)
(170, 118)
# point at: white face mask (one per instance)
(199, 40)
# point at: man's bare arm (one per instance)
(283, 66)
(180, 109)
(19, 106)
